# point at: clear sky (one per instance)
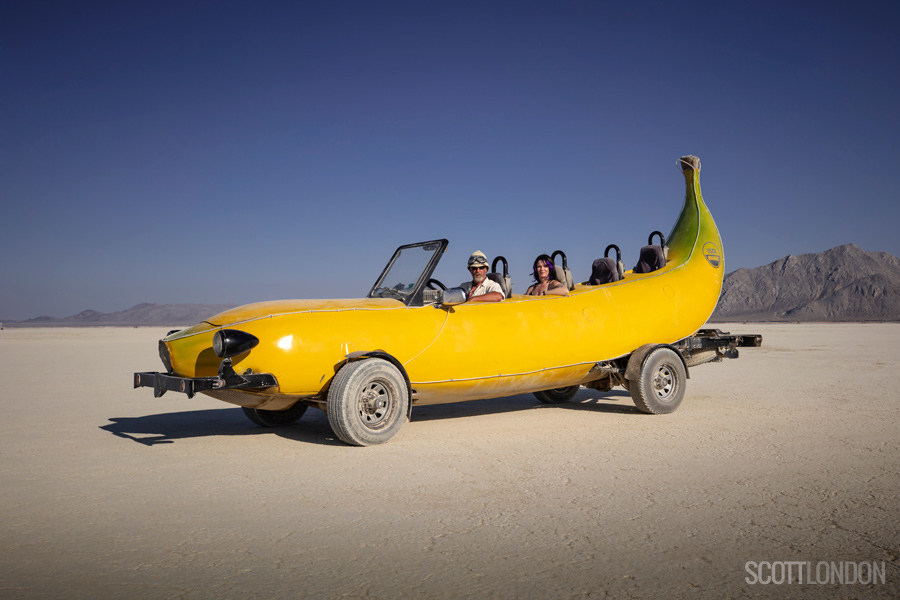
(231, 152)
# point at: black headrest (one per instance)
(603, 271)
(651, 259)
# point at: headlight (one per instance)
(164, 357)
(231, 342)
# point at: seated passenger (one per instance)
(545, 279)
(481, 289)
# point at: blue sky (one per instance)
(231, 152)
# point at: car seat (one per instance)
(652, 256)
(504, 280)
(562, 274)
(607, 270)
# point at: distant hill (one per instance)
(141, 314)
(842, 284)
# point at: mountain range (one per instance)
(842, 284)
(140, 314)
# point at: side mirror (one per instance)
(453, 296)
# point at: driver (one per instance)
(481, 289)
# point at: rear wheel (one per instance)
(659, 389)
(275, 418)
(557, 395)
(367, 402)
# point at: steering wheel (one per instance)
(434, 282)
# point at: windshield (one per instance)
(404, 275)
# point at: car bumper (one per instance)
(227, 379)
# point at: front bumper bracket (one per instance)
(227, 379)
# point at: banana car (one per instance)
(411, 341)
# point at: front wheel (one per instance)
(275, 418)
(557, 395)
(367, 402)
(659, 388)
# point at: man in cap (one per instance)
(481, 289)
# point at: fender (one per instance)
(639, 356)
(364, 354)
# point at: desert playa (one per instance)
(788, 454)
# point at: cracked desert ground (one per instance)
(789, 453)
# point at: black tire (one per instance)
(660, 387)
(367, 402)
(557, 395)
(275, 418)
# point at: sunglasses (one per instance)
(477, 268)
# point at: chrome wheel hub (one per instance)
(663, 383)
(374, 404)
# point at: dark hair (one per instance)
(546, 260)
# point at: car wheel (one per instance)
(275, 418)
(659, 388)
(367, 402)
(557, 395)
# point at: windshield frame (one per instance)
(414, 297)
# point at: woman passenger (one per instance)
(545, 280)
